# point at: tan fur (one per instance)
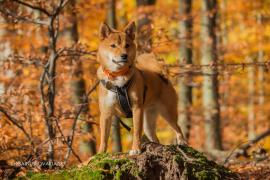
(148, 62)
(160, 96)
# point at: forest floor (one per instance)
(252, 170)
(155, 162)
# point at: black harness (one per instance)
(122, 95)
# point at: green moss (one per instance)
(204, 174)
(200, 167)
(102, 166)
(115, 168)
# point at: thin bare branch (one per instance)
(77, 117)
(7, 12)
(67, 142)
(57, 10)
(33, 7)
(16, 123)
(41, 88)
(76, 52)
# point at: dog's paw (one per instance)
(134, 152)
(182, 142)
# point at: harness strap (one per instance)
(164, 79)
(123, 99)
(122, 95)
(108, 85)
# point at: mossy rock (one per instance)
(155, 162)
(101, 166)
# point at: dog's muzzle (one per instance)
(121, 61)
(124, 59)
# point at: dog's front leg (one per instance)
(105, 126)
(137, 130)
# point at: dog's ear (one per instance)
(104, 31)
(130, 30)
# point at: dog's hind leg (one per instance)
(169, 113)
(149, 124)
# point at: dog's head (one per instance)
(117, 49)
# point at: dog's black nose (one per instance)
(124, 56)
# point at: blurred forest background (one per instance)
(218, 51)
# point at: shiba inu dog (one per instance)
(129, 88)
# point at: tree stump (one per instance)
(174, 162)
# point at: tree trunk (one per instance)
(251, 95)
(224, 43)
(260, 68)
(144, 38)
(5, 48)
(116, 136)
(210, 79)
(185, 57)
(78, 83)
(224, 26)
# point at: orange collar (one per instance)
(121, 72)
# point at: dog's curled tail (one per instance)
(149, 62)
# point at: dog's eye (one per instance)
(127, 46)
(113, 46)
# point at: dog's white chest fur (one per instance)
(110, 99)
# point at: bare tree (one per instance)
(50, 19)
(48, 76)
(185, 57)
(210, 80)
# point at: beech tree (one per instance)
(210, 79)
(185, 57)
